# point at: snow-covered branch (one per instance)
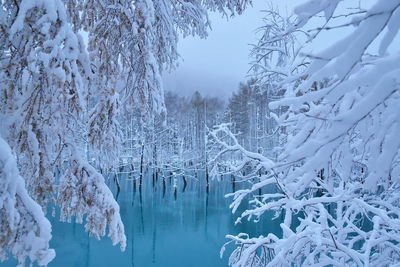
(336, 177)
(25, 232)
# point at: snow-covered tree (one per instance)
(275, 55)
(44, 86)
(60, 101)
(248, 113)
(335, 183)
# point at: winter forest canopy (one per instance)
(309, 141)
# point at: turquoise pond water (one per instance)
(162, 229)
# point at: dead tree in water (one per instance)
(175, 188)
(233, 183)
(155, 166)
(184, 183)
(141, 166)
(164, 186)
(207, 179)
(116, 180)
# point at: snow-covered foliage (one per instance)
(131, 43)
(83, 182)
(275, 55)
(24, 230)
(44, 90)
(41, 82)
(336, 180)
(61, 102)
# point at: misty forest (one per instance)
(103, 163)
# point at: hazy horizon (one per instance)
(216, 65)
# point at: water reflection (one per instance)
(164, 226)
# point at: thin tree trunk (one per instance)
(184, 183)
(141, 167)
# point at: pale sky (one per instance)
(216, 65)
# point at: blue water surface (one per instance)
(163, 229)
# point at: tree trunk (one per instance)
(141, 167)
